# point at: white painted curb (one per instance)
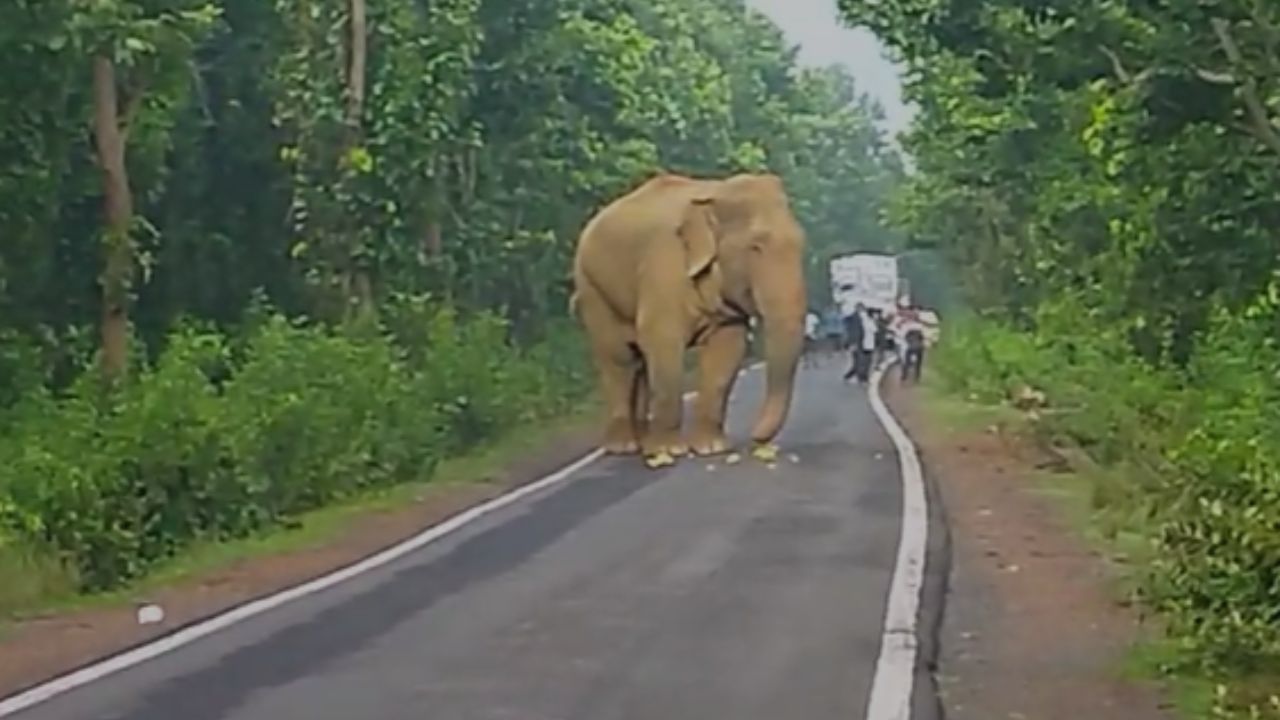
(191, 633)
(892, 686)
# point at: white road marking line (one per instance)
(122, 661)
(891, 689)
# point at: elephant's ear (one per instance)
(698, 231)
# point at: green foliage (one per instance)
(1201, 457)
(214, 443)
(1104, 174)
(488, 132)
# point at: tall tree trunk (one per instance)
(358, 58)
(359, 282)
(435, 238)
(118, 207)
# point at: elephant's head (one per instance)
(758, 266)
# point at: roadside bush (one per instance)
(22, 369)
(1206, 438)
(1220, 565)
(311, 416)
(219, 439)
(114, 482)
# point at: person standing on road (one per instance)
(853, 341)
(852, 328)
(811, 324)
(867, 353)
(913, 343)
(861, 330)
(884, 338)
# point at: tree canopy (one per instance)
(331, 155)
(1124, 152)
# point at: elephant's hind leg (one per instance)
(719, 359)
(640, 402)
(617, 362)
(617, 385)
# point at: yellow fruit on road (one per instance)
(662, 459)
(766, 453)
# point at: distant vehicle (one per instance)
(867, 278)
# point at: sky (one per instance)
(813, 25)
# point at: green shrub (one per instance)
(477, 380)
(311, 416)
(116, 482)
(1207, 438)
(1220, 570)
(222, 438)
(22, 366)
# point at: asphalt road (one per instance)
(701, 592)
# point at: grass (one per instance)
(29, 579)
(1157, 659)
(952, 413)
(1098, 501)
(37, 586)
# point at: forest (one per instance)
(263, 255)
(1102, 177)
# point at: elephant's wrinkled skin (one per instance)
(681, 262)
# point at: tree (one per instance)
(1090, 168)
(137, 51)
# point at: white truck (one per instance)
(867, 278)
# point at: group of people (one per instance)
(870, 335)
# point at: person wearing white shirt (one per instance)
(864, 344)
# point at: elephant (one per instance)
(684, 262)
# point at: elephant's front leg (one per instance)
(719, 359)
(664, 360)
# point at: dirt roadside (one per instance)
(1032, 629)
(39, 648)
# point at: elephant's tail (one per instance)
(573, 304)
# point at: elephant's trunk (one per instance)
(783, 316)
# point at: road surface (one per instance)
(702, 592)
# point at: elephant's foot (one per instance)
(664, 451)
(709, 442)
(620, 440)
(621, 447)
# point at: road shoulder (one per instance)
(39, 647)
(1033, 628)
